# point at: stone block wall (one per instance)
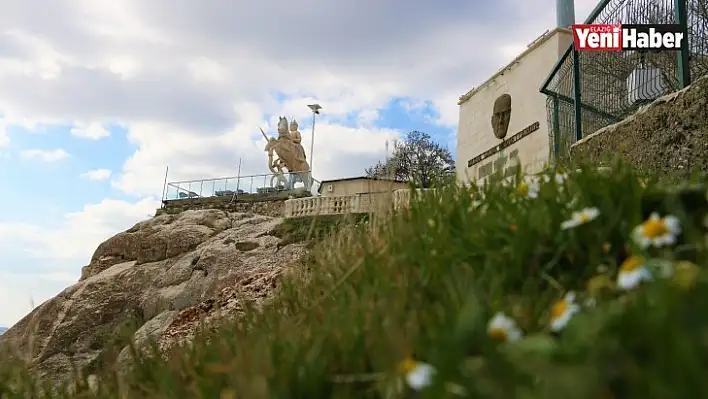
(271, 204)
(668, 136)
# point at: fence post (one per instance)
(684, 67)
(576, 95)
(556, 130)
(164, 188)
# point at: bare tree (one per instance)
(417, 159)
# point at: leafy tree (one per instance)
(417, 159)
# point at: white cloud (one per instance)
(4, 138)
(97, 174)
(93, 131)
(79, 233)
(204, 69)
(124, 66)
(511, 51)
(48, 156)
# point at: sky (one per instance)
(97, 98)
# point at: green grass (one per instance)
(312, 229)
(425, 283)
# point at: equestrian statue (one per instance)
(291, 156)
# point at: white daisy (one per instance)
(558, 177)
(633, 272)
(529, 187)
(561, 177)
(503, 329)
(418, 375)
(581, 217)
(657, 231)
(562, 311)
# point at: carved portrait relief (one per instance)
(501, 115)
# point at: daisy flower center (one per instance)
(498, 334)
(408, 365)
(558, 309)
(523, 188)
(654, 228)
(631, 264)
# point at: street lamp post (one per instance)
(315, 111)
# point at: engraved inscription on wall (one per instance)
(502, 166)
(504, 144)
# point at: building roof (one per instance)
(322, 183)
(540, 40)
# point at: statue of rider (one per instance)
(297, 140)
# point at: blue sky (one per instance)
(46, 190)
(143, 85)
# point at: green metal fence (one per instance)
(609, 86)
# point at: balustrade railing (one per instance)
(322, 206)
(356, 203)
(233, 185)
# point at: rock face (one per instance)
(670, 135)
(163, 274)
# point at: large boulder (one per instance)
(153, 275)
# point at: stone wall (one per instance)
(669, 136)
(271, 204)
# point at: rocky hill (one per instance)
(162, 276)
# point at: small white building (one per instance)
(358, 185)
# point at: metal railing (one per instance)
(587, 91)
(234, 186)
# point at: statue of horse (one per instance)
(283, 127)
(276, 167)
(288, 155)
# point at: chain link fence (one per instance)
(613, 85)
